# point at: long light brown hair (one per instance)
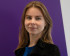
(23, 34)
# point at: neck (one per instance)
(34, 39)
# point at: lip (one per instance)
(32, 28)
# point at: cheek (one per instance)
(26, 22)
(42, 24)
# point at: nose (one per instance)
(33, 21)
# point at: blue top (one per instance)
(27, 50)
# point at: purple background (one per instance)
(10, 17)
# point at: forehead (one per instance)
(33, 11)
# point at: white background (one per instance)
(65, 7)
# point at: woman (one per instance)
(35, 32)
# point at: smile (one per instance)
(32, 28)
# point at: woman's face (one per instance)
(34, 21)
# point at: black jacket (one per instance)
(41, 49)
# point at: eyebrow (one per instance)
(27, 15)
(35, 16)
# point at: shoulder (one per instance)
(19, 52)
(42, 44)
(51, 49)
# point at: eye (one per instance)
(38, 18)
(28, 17)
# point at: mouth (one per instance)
(32, 28)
